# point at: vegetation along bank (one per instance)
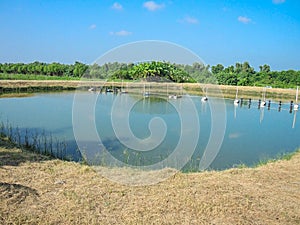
(241, 74)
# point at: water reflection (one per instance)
(148, 105)
(204, 106)
(262, 113)
(235, 107)
(294, 119)
(261, 107)
(252, 131)
(279, 106)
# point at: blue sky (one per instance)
(226, 32)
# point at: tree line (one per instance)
(47, 69)
(154, 71)
(239, 74)
(242, 74)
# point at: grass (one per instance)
(37, 189)
(282, 156)
(35, 141)
(4, 76)
(275, 94)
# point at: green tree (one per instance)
(217, 69)
(79, 69)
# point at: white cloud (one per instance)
(278, 1)
(225, 9)
(121, 33)
(117, 6)
(153, 6)
(190, 20)
(244, 19)
(234, 135)
(92, 27)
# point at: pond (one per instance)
(156, 126)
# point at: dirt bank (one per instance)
(39, 190)
(275, 94)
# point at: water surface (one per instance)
(252, 133)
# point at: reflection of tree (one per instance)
(152, 105)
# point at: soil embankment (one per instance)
(274, 94)
(38, 190)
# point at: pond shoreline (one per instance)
(11, 107)
(246, 92)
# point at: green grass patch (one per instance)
(281, 156)
(5, 76)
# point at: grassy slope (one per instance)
(39, 190)
(245, 92)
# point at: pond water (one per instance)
(251, 134)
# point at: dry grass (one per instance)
(275, 94)
(39, 190)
